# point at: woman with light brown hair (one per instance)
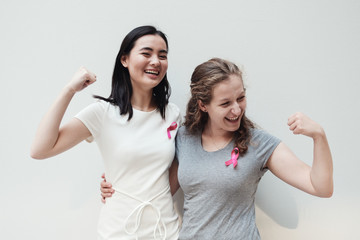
(222, 156)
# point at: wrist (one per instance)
(320, 134)
(69, 90)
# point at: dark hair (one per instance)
(203, 81)
(121, 88)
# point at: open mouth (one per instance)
(234, 119)
(153, 72)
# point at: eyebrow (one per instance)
(226, 99)
(150, 49)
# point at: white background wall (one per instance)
(297, 56)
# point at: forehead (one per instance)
(154, 42)
(231, 87)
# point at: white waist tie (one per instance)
(159, 226)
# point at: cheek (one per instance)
(215, 115)
(132, 70)
(164, 65)
(222, 113)
(243, 105)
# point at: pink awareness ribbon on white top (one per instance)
(173, 126)
(234, 157)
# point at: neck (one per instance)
(216, 133)
(143, 101)
(214, 140)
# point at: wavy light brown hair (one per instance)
(203, 81)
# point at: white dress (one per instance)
(137, 155)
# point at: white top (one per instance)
(137, 155)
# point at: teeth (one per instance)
(152, 72)
(233, 119)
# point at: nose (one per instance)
(236, 110)
(155, 61)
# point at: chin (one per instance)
(232, 129)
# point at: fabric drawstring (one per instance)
(159, 227)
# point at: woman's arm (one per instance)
(317, 179)
(107, 190)
(173, 177)
(49, 139)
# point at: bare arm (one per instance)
(107, 190)
(173, 177)
(50, 139)
(316, 179)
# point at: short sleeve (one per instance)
(92, 117)
(174, 111)
(264, 144)
(178, 141)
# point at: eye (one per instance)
(145, 54)
(225, 104)
(241, 98)
(163, 57)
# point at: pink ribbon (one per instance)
(234, 157)
(173, 126)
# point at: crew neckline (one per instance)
(221, 149)
(141, 111)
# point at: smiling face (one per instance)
(227, 106)
(147, 62)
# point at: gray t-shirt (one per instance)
(219, 199)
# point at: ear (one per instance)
(202, 106)
(124, 61)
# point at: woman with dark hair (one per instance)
(134, 128)
(222, 156)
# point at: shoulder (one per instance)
(97, 109)
(257, 133)
(261, 138)
(184, 135)
(173, 112)
(100, 105)
(182, 138)
(180, 134)
(173, 108)
(183, 131)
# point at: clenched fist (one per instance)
(81, 79)
(299, 123)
